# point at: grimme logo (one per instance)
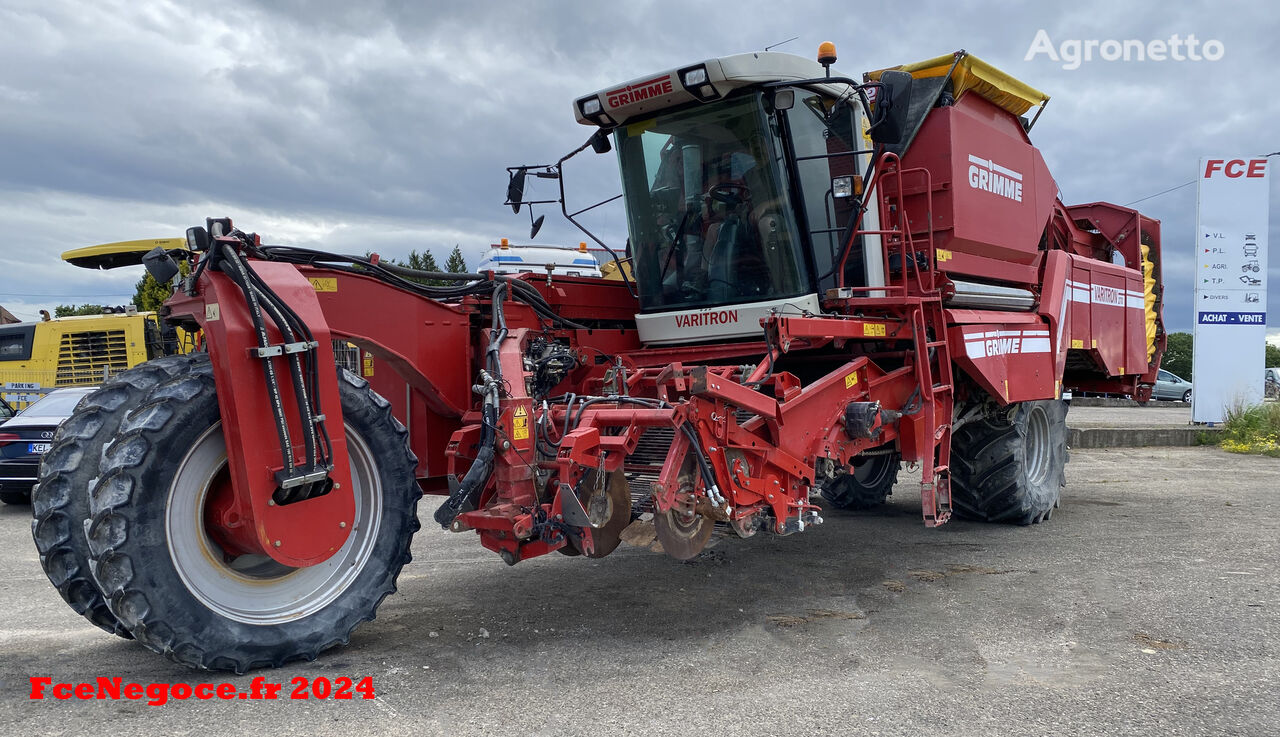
(1071, 53)
(989, 176)
(639, 91)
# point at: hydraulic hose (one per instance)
(477, 477)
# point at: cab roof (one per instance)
(645, 96)
(121, 253)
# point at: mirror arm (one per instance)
(564, 210)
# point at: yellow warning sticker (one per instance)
(942, 254)
(873, 328)
(1077, 343)
(367, 364)
(324, 283)
(850, 380)
(520, 423)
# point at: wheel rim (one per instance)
(1037, 446)
(1186, 396)
(255, 589)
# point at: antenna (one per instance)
(774, 46)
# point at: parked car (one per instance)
(1171, 386)
(26, 436)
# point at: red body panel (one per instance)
(992, 230)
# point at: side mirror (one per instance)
(600, 142)
(893, 100)
(160, 265)
(515, 188)
(537, 225)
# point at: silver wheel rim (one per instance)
(255, 589)
(1037, 446)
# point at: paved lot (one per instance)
(1153, 415)
(1148, 605)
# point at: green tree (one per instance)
(424, 261)
(76, 310)
(455, 264)
(149, 294)
(1273, 355)
(1177, 355)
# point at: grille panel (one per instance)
(91, 357)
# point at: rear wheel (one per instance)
(60, 500)
(167, 579)
(867, 486)
(1010, 466)
(1186, 396)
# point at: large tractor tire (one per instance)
(867, 485)
(182, 595)
(1010, 467)
(60, 499)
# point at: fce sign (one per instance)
(1235, 168)
(1230, 286)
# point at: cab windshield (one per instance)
(709, 217)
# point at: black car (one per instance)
(25, 437)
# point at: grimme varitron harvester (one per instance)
(825, 277)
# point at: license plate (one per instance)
(38, 448)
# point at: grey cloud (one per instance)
(387, 126)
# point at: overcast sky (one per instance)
(386, 126)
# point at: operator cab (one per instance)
(738, 190)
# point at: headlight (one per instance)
(591, 107)
(842, 187)
(695, 77)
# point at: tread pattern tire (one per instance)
(994, 477)
(848, 491)
(131, 557)
(60, 499)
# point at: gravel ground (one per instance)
(1148, 605)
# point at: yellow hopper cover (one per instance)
(972, 73)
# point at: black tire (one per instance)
(867, 486)
(1011, 468)
(15, 496)
(1186, 396)
(60, 499)
(270, 615)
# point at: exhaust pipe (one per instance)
(990, 296)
